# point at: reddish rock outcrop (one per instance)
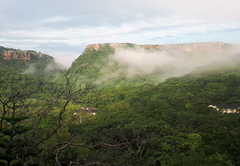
(24, 55)
(115, 46)
(188, 47)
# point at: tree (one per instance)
(15, 100)
(30, 116)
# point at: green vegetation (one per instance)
(45, 68)
(97, 66)
(166, 124)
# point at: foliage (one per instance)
(165, 124)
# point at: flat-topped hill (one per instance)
(187, 47)
(9, 53)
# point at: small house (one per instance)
(89, 110)
(226, 108)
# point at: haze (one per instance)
(140, 61)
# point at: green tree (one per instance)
(15, 93)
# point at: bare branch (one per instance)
(94, 163)
(97, 145)
(57, 154)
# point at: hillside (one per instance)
(171, 123)
(29, 62)
(126, 64)
(145, 115)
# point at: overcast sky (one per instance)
(62, 28)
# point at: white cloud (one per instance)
(188, 8)
(169, 60)
(77, 22)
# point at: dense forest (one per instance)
(142, 120)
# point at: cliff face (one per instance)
(115, 46)
(23, 55)
(199, 47)
(189, 47)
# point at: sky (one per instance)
(63, 28)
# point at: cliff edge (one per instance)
(7, 54)
(188, 47)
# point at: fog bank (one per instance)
(141, 61)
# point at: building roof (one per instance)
(227, 106)
(87, 109)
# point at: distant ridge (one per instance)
(187, 47)
(29, 62)
(9, 53)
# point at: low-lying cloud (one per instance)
(141, 61)
(30, 70)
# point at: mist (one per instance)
(53, 66)
(171, 63)
(30, 70)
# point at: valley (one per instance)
(121, 104)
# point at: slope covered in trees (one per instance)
(167, 124)
(170, 123)
(125, 64)
(29, 62)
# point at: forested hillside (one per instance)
(147, 116)
(171, 123)
(126, 64)
(29, 62)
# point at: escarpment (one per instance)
(188, 47)
(8, 54)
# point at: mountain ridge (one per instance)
(127, 63)
(185, 47)
(29, 62)
(9, 53)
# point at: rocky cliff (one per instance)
(115, 46)
(188, 47)
(8, 54)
